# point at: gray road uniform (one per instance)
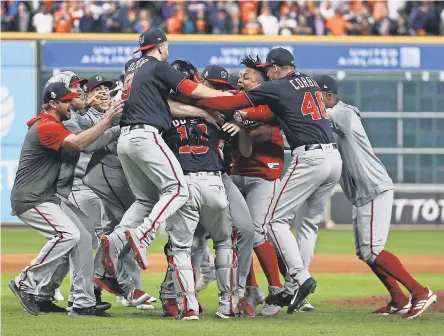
(105, 177)
(34, 201)
(64, 186)
(364, 180)
(83, 197)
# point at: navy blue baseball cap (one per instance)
(278, 56)
(217, 74)
(58, 92)
(327, 83)
(95, 81)
(150, 38)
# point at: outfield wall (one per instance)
(27, 58)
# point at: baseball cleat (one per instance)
(170, 308)
(255, 296)
(58, 296)
(144, 306)
(190, 315)
(119, 299)
(420, 303)
(137, 297)
(139, 248)
(27, 300)
(93, 311)
(306, 307)
(110, 255)
(304, 290)
(69, 308)
(222, 315)
(391, 308)
(275, 301)
(245, 309)
(109, 284)
(47, 306)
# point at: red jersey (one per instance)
(267, 159)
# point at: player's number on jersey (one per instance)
(309, 106)
(127, 86)
(186, 149)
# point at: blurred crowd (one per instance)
(301, 17)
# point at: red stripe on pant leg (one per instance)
(174, 196)
(182, 287)
(269, 206)
(47, 253)
(272, 214)
(73, 197)
(371, 231)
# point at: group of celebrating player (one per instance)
(114, 161)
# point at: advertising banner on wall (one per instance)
(308, 56)
(17, 99)
(409, 208)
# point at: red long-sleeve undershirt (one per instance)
(228, 103)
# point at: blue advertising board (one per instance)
(17, 98)
(308, 56)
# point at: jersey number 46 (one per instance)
(315, 109)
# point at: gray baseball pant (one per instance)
(154, 174)
(53, 281)
(66, 235)
(89, 203)
(111, 186)
(208, 205)
(309, 179)
(239, 215)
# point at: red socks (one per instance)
(251, 278)
(392, 286)
(390, 264)
(268, 259)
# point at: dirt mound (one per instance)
(379, 301)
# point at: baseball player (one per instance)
(258, 178)
(34, 201)
(369, 188)
(296, 101)
(197, 145)
(75, 124)
(104, 176)
(217, 77)
(152, 170)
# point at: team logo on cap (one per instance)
(205, 75)
(223, 74)
(325, 86)
(99, 78)
(53, 95)
(141, 39)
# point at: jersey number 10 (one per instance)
(310, 107)
(186, 149)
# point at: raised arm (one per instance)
(84, 139)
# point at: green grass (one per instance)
(328, 320)
(329, 242)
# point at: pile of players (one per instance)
(211, 171)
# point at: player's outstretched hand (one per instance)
(213, 118)
(114, 110)
(231, 128)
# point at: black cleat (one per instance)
(47, 306)
(27, 300)
(89, 312)
(304, 290)
(102, 305)
(280, 299)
